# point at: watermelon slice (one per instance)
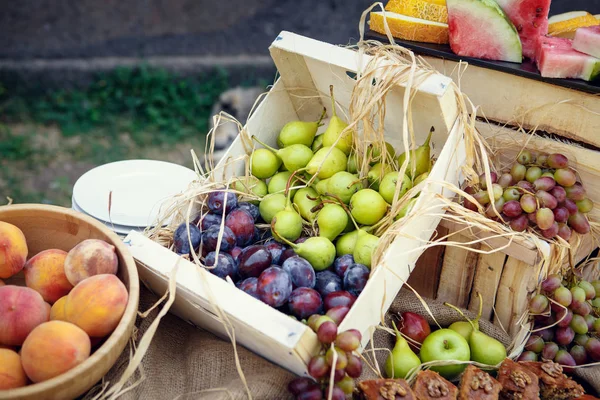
(587, 40)
(557, 59)
(480, 29)
(530, 17)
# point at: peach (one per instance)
(21, 310)
(53, 348)
(97, 304)
(90, 257)
(45, 273)
(12, 375)
(2, 282)
(13, 250)
(57, 312)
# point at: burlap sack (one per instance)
(185, 363)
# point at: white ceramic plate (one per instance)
(119, 229)
(139, 187)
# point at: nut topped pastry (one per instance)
(431, 385)
(518, 382)
(554, 385)
(477, 384)
(385, 389)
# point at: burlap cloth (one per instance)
(184, 362)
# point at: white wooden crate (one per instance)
(307, 67)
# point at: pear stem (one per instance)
(480, 308)
(462, 314)
(429, 136)
(292, 245)
(265, 145)
(332, 100)
(322, 116)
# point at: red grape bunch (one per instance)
(540, 191)
(347, 366)
(567, 327)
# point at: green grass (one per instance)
(137, 101)
(48, 138)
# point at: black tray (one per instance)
(526, 69)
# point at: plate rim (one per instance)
(101, 216)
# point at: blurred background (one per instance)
(89, 82)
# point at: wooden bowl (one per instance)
(50, 227)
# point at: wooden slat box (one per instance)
(505, 278)
(307, 68)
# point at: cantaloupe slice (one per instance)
(430, 10)
(565, 25)
(409, 28)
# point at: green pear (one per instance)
(299, 132)
(366, 244)
(322, 186)
(463, 327)
(251, 185)
(264, 163)
(317, 144)
(484, 349)
(334, 131)
(294, 157)
(278, 183)
(374, 152)
(327, 162)
(420, 159)
(287, 223)
(387, 187)
(352, 165)
(317, 250)
(402, 359)
(345, 244)
(406, 209)
(368, 207)
(421, 178)
(376, 173)
(332, 220)
(305, 200)
(271, 205)
(343, 184)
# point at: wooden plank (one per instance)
(458, 269)
(519, 280)
(515, 100)
(425, 278)
(487, 277)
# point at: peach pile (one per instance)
(71, 303)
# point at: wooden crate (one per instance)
(518, 101)
(307, 68)
(506, 278)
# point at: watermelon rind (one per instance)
(486, 18)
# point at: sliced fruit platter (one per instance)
(514, 36)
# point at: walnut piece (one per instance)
(390, 389)
(520, 378)
(481, 380)
(437, 388)
(553, 369)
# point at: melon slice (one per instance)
(530, 17)
(557, 59)
(565, 25)
(431, 10)
(587, 40)
(480, 29)
(409, 28)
